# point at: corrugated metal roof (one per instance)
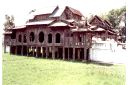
(40, 22)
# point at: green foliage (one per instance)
(9, 23)
(114, 16)
(21, 70)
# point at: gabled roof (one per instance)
(97, 17)
(58, 12)
(46, 10)
(75, 11)
(41, 11)
(108, 23)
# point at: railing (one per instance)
(13, 42)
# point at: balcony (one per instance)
(13, 42)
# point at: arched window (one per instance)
(49, 38)
(32, 37)
(57, 38)
(19, 38)
(41, 37)
(25, 39)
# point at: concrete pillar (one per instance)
(36, 51)
(42, 51)
(73, 53)
(63, 53)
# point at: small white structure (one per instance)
(106, 51)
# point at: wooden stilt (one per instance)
(16, 50)
(47, 52)
(68, 54)
(73, 53)
(22, 50)
(63, 53)
(85, 50)
(4, 48)
(53, 52)
(27, 50)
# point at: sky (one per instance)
(20, 8)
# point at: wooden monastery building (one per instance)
(57, 33)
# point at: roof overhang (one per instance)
(44, 22)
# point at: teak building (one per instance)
(58, 33)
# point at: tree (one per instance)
(9, 23)
(114, 16)
(117, 17)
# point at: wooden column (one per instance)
(63, 53)
(4, 48)
(22, 50)
(27, 50)
(78, 55)
(47, 52)
(33, 50)
(73, 53)
(10, 49)
(85, 51)
(68, 54)
(53, 52)
(16, 50)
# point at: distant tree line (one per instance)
(116, 17)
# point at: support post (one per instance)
(46, 52)
(42, 51)
(27, 50)
(33, 50)
(4, 48)
(68, 54)
(22, 50)
(53, 52)
(63, 53)
(73, 53)
(16, 51)
(36, 51)
(85, 51)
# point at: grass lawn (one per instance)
(21, 70)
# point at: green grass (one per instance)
(21, 70)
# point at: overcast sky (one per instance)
(20, 8)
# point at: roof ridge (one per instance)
(75, 11)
